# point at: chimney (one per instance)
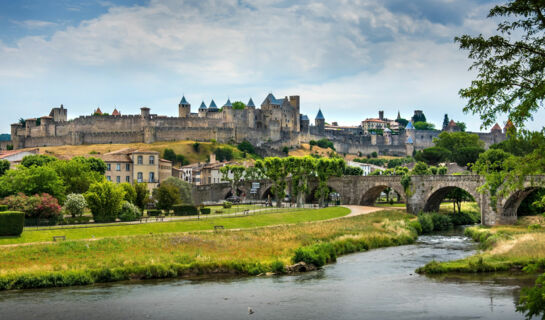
(381, 115)
(212, 158)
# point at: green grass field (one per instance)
(257, 220)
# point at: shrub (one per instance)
(535, 226)
(227, 205)
(129, 212)
(3, 207)
(426, 223)
(205, 210)
(154, 212)
(105, 200)
(75, 204)
(130, 192)
(166, 195)
(442, 170)
(11, 223)
(185, 210)
(142, 195)
(415, 225)
(441, 222)
(464, 218)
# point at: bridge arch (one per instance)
(370, 194)
(511, 204)
(438, 194)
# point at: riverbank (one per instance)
(240, 252)
(519, 247)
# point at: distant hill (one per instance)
(5, 137)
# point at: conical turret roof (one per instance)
(228, 103)
(250, 103)
(320, 115)
(203, 105)
(184, 101)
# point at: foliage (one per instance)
(129, 212)
(75, 204)
(521, 143)
(420, 168)
(441, 222)
(166, 196)
(286, 150)
(238, 105)
(252, 173)
(37, 160)
(326, 168)
(11, 223)
(374, 154)
(4, 166)
(232, 174)
(183, 187)
(154, 212)
(181, 159)
(461, 125)
(442, 170)
(454, 141)
(274, 168)
(322, 143)
(3, 207)
(130, 192)
(421, 125)
(426, 223)
(532, 300)
(196, 146)
(246, 146)
(300, 169)
(466, 156)
(105, 200)
(76, 174)
(142, 195)
(205, 210)
(433, 155)
(33, 180)
(494, 165)
(510, 64)
(532, 204)
(169, 154)
(95, 164)
(353, 171)
(227, 204)
(445, 121)
(224, 154)
(185, 210)
(402, 122)
(419, 118)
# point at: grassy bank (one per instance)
(519, 247)
(252, 221)
(243, 252)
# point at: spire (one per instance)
(184, 102)
(250, 103)
(228, 103)
(409, 126)
(398, 115)
(320, 115)
(115, 112)
(213, 105)
(203, 106)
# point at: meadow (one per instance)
(166, 255)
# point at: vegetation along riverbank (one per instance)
(242, 252)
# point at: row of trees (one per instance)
(299, 169)
(460, 147)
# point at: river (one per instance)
(379, 284)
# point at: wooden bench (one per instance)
(55, 238)
(219, 227)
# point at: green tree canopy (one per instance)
(31, 181)
(466, 156)
(433, 155)
(105, 200)
(4, 166)
(37, 160)
(238, 105)
(453, 141)
(184, 189)
(246, 146)
(300, 169)
(275, 169)
(166, 196)
(422, 125)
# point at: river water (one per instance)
(379, 284)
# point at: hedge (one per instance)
(205, 210)
(11, 223)
(184, 210)
(3, 207)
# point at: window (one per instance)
(108, 178)
(109, 167)
(151, 176)
(151, 160)
(209, 180)
(118, 179)
(140, 160)
(127, 179)
(140, 177)
(118, 167)
(128, 167)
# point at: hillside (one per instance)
(185, 148)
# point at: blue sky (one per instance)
(350, 58)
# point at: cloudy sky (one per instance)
(349, 57)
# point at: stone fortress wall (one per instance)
(276, 124)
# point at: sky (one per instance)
(351, 58)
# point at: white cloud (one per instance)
(36, 24)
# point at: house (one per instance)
(132, 165)
(366, 167)
(16, 156)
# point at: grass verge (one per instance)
(241, 252)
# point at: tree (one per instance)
(454, 141)
(326, 168)
(181, 159)
(461, 125)
(402, 122)
(232, 174)
(252, 173)
(422, 125)
(510, 64)
(300, 169)
(76, 174)
(130, 192)
(37, 160)
(275, 169)
(466, 156)
(95, 164)
(75, 204)
(286, 150)
(458, 195)
(4, 166)
(420, 168)
(169, 154)
(105, 200)
(419, 117)
(31, 181)
(445, 121)
(353, 171)
(142, 195)
(166, 196)
(224, 154)
(196, 147)
(521, 143)
(184, 189)
(433, 155)
(246, 146)
(238, 105)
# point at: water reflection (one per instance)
(379, 284)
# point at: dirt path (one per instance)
(359, 210)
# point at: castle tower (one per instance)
(409, 147)
(381, 115)
(202, 110)
(59, 114)
(409, 133)
(304, 124)
(228, 111)
(144, 112)
(295, 101)
(319, 122)
(250, 111)
(212, 107)
(184, 108)
(387, 134)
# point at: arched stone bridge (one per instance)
(425, 193)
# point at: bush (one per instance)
(464, 218)
(3, 207)
(415, 225)
(442, 170)
(227, 205)
(441, 222)
(105, 200)
(166, 195)
(75, 204)
(11, 223)
(205, 210)
(130, 192)
(426, 223)
(185, 210)
(154, 212)
(129, 212)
